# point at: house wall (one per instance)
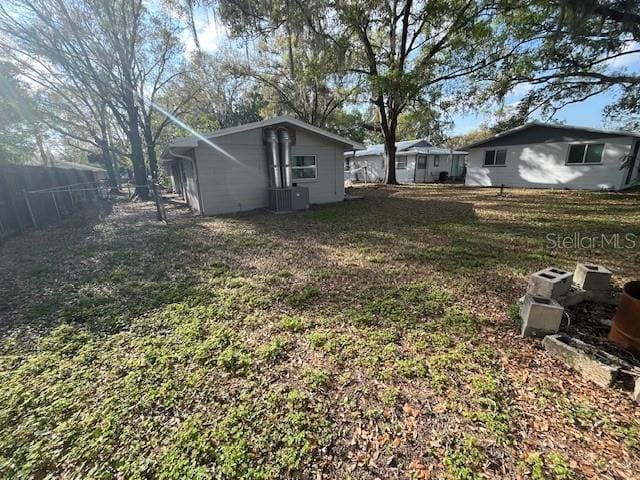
(375, 169)
(433, 172)
(234, 177)
(329, 186)
(406, 175)
(544, 165)
(190, 184)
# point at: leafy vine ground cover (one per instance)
(370, 339)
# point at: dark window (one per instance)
(436, 160)
(586, 153)
(422, 162)
(576, 153)
(347, 164)
(304, 166)
(495, 157)
(594, 153)
(490, 157)
(401, 163)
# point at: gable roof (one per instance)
(192, 142)
(572, 131)
(419, 145)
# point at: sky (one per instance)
(589, 113)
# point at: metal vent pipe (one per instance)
(285, 145)
(274, 158)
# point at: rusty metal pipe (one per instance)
(625, 330)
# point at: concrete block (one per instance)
(609, 297)
(550, 283)
(583, 358)
(573, 297)
(590, 276)
(540, 316)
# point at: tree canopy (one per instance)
(108, 77)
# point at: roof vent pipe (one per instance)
(285, 146)
(274, 158)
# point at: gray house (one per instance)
(281, 163)
(417, 161)
(542, 155)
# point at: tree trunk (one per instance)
(137, 154)
(390, 154)
(389, 128)
(151, 150)
(43, 154)
(108, 163)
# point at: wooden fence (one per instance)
(34, 196)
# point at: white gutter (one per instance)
(179, 155)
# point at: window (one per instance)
(586, 153)
(494, 158)
(304, 167)
(401, 163)
(347, 165)
(422, 162)
(436, 160)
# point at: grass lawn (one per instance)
(370, 339)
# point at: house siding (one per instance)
(544, 165)
(191, 185)
(234, 177)
(375, 169)
(329, 185)
(406, 175)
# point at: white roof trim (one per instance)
(192, 142)
(552, 125)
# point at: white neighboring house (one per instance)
(543, 155)
(255, 165)
(417, 161)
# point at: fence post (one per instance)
(55, 204)
(73, 204)
(26, 199)
(162, 216)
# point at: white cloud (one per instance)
(211, 35)
(520, 90)
(631, 59)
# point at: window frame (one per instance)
(294, 168)
(424, 160)
(436, 161)
(402, 159)
(495, 157)
(584, 154)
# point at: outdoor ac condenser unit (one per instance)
(288, 199)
